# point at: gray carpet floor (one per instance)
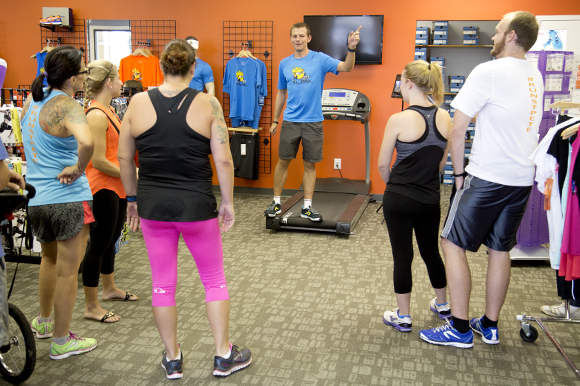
(309, 306)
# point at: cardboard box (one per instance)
(441, 24)
(471, 41)
(438, 59)
(456, 79)
(440, 42)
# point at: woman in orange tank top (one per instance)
(109, 198)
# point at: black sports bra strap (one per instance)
(109, 118)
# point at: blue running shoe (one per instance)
(446, 335)
(488, 335)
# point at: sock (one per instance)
(307, 203)
(229, 353)
(402, 316)
(178, 356)
(461, 325)
(43, 320)
(277, 199)
(487, 323)
(61, 341)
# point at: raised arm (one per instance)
(224, 165)
(75, 121)
(278, 106)
(353, 40)
(99, 123)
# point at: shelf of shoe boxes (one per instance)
(557, 69)
(445, 32)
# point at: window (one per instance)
(109, 40)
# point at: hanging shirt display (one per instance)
(40, 56)
(202, 75)
(243, 81)
(144, 69)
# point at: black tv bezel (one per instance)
(382, 33)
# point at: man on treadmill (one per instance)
(300, 84)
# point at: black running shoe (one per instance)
(238, 360)
(311, 214)
(273, 209)
(173, 369)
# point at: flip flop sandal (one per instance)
(108, 315)
(126, 298)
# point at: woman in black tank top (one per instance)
(175, 129)
(411, 198)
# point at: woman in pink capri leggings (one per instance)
(174, 129)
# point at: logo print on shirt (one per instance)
(299, 76)
(136, 74)
(240, 78)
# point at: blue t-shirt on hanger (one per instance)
(304, 80)
(262, 92)
(242, 80)
(202, 75)
(40, 65)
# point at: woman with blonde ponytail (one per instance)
(109, 199)
(411, 198)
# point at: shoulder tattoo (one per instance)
(222, 131)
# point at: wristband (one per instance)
(131, 198)
(460, 174)
(350, 49)
(276, 122)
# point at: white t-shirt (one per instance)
(506, 94)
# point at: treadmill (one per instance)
(340, 201)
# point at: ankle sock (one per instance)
(307, 203)
(402, 316)
(461, 325)
(277, 200)
(229, 352)
(43, 320)
(487, 323)
(61, 341)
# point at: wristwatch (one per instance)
(350, 49)
(276, 122)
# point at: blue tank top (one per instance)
(46, 157)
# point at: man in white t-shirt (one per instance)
(490, 197)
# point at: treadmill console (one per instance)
(340, 103)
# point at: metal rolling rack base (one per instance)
(530, 334)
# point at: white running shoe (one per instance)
(559, 311)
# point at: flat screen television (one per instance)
(330, 33)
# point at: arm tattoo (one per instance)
(26, 105)
(222, 132)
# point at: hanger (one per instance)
(244, 53)
(47, 48)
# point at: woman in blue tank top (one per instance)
(58, 146)
(411, 198)
(175, 129)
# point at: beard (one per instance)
(498, 47)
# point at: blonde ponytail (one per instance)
(428, 77)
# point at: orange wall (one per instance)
(21, 38)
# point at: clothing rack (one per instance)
(153, 34)
(244, 130)
(256, 36)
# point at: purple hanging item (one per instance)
(534, 227)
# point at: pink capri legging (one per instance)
(205, 244)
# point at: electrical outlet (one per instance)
(337, 163)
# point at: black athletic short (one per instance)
(487, 213)
(312, 138)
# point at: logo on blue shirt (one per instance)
(299, 76)
(240, 78)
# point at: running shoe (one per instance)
(273, 209)
(42, 330)
(238, 360)
(51, 20)
(559, 311)
(442, 310)
(401, 323)
(311, 214)
(173, 369)
(75, 345)
(446, 335)
(488, 335)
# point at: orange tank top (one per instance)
(97, 179)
